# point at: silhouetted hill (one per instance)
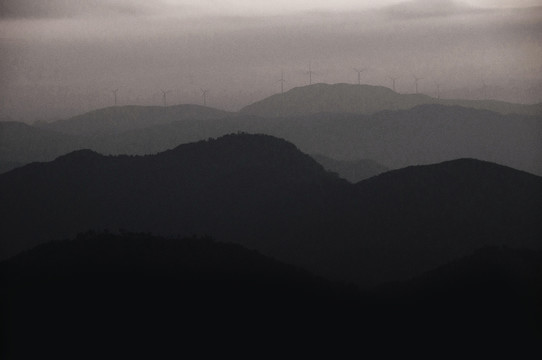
(354, 170)
(6, 166)
(264, 193)
(422, 135)
(196, 261)
(218, 186)
(162, 293)
(118, 119)
(491, 275)
(364, 99)
(493, 293)
(138, 288)
(22, 143)
(436, 213)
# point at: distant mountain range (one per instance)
(422, 135)
(364, 99)
(330, 248)
(22, 143)
(264, 193)
(118, 119)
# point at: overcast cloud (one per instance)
(63, 57)
(58, 9)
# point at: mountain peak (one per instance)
(249, 154)
(316, 98)
(80, 155)
(363, 99)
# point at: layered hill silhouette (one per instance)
(157, 292)
(364, 99)
(481, 296)
(351, 170)
(138, 288)
(195, 188)
(264, 193)
(422, 135)
(118, 119)
(21, 143)
(6, 166)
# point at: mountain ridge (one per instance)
(423, 135)
(265, 194)
(117, 119)
(364, 99)
(141, 287)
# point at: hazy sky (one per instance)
(63, 57)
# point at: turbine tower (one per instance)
(416, 80)
(484, 89)
(115, 95)
(393, 78)
(437, 84)
(282, 81)
(204, 95)
(359, 71)
(310, 74)
(164, 93)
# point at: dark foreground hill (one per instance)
(364, 99)
(145, 295)
(351, 170)
(137, 293)
(237, 184)
(482, 296)
(264, 193)
(8, 165)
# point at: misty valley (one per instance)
(344, 214)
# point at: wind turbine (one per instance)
(282, 81)
(393, 78)
(164, 93)
(115, 95)
(310, 74)
(416, 79)
(484, 89)
(437, 84)
(204, 95)
(359, 71)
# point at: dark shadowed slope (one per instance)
(114, 120)
(6, 166)
(264, 193)
(134, 293)
(436, 213)
(351, 170)
(493, 293)
(143, 255)
(364, 99)
(238, 183)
